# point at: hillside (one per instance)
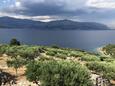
(8, 22)
(46, 62)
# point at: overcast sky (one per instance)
(79, 10)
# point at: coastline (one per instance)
(101, 52)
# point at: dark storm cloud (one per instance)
(46, 7)
(83, 10)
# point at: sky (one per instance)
(102, 11)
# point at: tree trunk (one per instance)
(16, 71)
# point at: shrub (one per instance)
(14, 42)
(42, 50)
(55, 46)
(62, 56)
(109, 50)
(16, 62)
(27, 52)
(51, 53)
(62, 73)
(75, 54)
(3, 48)
(107, 69)
(44, 58)
(90, 58)
(110, 60)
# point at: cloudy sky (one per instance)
(46, 10)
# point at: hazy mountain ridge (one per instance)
(8, 22)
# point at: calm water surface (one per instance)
(88, 40)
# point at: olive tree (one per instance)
(16, 63)
(14, 42)
(62, 73)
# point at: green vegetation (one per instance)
(64, 52)
(56, 66)
(27, 52)
(55, 46)
(110, 50)
(62, 73)
(106, 69)
(14, 42)
(88, 57)
(16, 62)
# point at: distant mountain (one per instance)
(8, 22)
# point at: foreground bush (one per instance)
(52, 73)
(110, 50)
(90, 58)
(106, 69)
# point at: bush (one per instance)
(110, 50)
(27, 52)
(107, 69)
(61, 56)
(52, 73)
(51, 53)
(2, 49)
(90, 58)
(76, 54)
(14, 42)
(55, 46)
(45, 58)
(16, 62)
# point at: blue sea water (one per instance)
(82, 39)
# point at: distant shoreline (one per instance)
(58, 29)
(100, 51)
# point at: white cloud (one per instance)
(70, 5)
(35, 18)
(109, 4)
(45, 10)
(74, 5)
(18, 4)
